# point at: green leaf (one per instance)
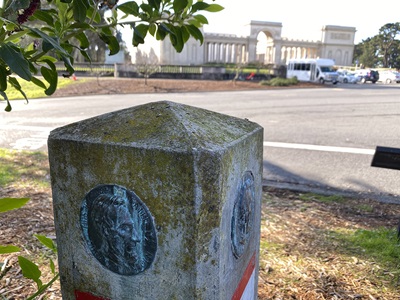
(111, 42)
(14, 82)
(80, 8)
(155, 3)
(83, 40)
(46, 46)
(7, 204)
(201, 19)
(10, 27)
(4, 95)
(85, 55)
(67, 46)
(15, 60)
(152, 29)
(47, 59)
(199, 6)
(32, 68)
(51, 64)
(146, 8)
(90, 12)
(46, 242)
(30, 50)
(52, 266)
(176, 37)
(195, 32)
(179, 5)
(30, 270)
(39, 83)
(16, 36)
(107, 31)
(162, 32)
(139, 34)
(180, 40)
(185, 34)
(67, 64)
(3, 78)
(8, 107)
(2, 34)
(52, 41)
(9, 249)
(44, 16)
(52, 78)
(130, 8)
(194, 22)
(57, 27)
(214, 8)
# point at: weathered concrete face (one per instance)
(159, 201)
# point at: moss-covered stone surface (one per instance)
(184, 163)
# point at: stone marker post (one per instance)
(158, 201)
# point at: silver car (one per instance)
(348, 77)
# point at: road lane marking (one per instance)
(29, 144)
(28, 128)
(320, 148)
(34, 141)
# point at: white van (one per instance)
(316, 70)
(389, 77)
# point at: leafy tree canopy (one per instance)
(57, 27)
(381, 50)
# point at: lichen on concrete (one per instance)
(181, 161)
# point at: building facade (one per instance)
(337, 43)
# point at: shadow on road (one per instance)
(299, 183)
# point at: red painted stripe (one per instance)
(87, 296)
(245, 278)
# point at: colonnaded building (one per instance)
(337, 43)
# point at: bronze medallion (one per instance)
(118, 229)
(243, 215)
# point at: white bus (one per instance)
(317, 70)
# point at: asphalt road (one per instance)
(315, 139)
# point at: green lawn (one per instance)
(32, 91)
(19, 167)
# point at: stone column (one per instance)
(158, 201)
(224, 53)
(230, 53)
(219, 52)
(212, 59)
(239, 53)
(205, 54)
(278, 53)
(252, 49)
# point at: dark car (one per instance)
(368, 75)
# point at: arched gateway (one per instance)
(272, 31)
(337, 43)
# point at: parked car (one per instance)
(347, 77)
(389, 77)
(367, 75)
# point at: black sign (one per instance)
(386, 157)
